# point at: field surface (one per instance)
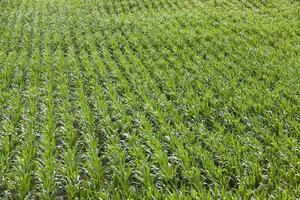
(149, 99)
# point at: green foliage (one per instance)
(164, 99)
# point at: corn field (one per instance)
(149, 99)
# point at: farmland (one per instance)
(149, 99)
